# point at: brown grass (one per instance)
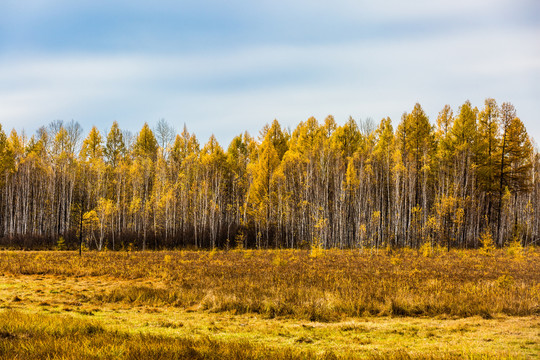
(289, 283)
(279, 304)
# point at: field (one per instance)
(282, 304)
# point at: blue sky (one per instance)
(223, 67)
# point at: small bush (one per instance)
(61, 244)
(486, 239)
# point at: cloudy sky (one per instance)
(223, 67)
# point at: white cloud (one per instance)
(392, 10)
(227, 93)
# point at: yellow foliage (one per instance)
(135, 205)
(487, 241)
(375, 217)
(91, 220)
(416, 210)
(426, 249)
(317, 248)
(505, 281)
(459, 216)
(515, 249)
(279, 261)
(432, 223)
(362, 229)
(350, 176)
(167, 259)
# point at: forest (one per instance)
(470, 178)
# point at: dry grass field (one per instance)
(282, 304)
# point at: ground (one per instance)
(189, 305)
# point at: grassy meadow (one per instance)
(279, 304)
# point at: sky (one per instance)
(224, 67)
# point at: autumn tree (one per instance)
(262, 190)
(115, 148)
(519, 167)
(488, 143)
(145, 152)
(473, 173)
(464, 143)
(507, 115)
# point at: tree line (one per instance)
(471, 176)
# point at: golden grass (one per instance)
(281, 304)
(44, 336)
(170, 333)
(292, 283)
